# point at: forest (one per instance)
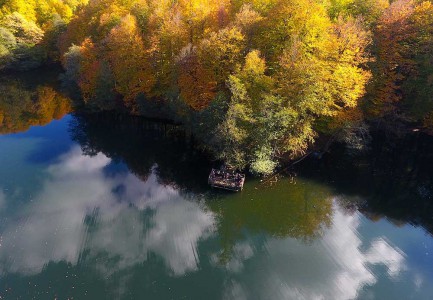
(257, 82)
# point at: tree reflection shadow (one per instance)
(144, 145)
(394, 180)
(385, 183)
(301, 211)
(26, 102)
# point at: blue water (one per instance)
(102, 226)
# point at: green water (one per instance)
(92, 209)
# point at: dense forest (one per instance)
(257, 82)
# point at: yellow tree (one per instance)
(130, 60)
(222, 51)
(95, 20)
(24, 7)
(196, 83)
(247, 19)
(89, 68)
(171, 33)
(199, 15)
(391, 34)
(41, 11)
(417, 88)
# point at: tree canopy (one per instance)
(255, 81)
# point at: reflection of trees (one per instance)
(24, 104)
(285, 210)
(298, 211)
(142, 144)
(394, 180)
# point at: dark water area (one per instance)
(104, 206)
(394, 178)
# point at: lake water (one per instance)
(92, 209)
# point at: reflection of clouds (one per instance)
(74, 163)
(233, 291)
(332, 268)
(51, 229)
(418, 281)
(241, 252)
(54, 227)
(120, 220)
(381, 252)
(147, 194)
(172, 232)
(2, 199)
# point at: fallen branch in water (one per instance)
(275, 175)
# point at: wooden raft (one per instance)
(226, 179)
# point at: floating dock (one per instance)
(226, 179)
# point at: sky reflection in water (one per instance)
(94, 215)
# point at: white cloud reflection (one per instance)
(135, 218)
(53, 227)
(2, 199)
(334, 267)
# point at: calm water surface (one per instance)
(91, 210)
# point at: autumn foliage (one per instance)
(256, 81)
(22, 107)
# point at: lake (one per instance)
(111, 207)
